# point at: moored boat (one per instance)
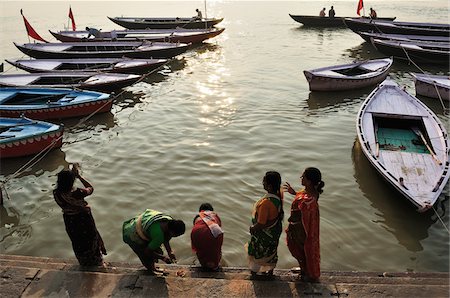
(164, 23)
(434, 86)
(318, 21)
(104, 82)
(116, 65)
(410, 28)
(23, 136)
(416, 51)
(348, 76)
(103, 49)
(402, 37)
(163, 35)
(405, 142)
(52, 103)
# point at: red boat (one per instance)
(23, 136)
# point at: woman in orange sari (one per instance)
(303, 230)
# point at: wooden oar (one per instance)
(417, 131)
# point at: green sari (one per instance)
(262, 248)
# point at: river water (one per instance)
(210, 124)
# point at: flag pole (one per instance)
(206, 16)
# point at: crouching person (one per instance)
(146, 232)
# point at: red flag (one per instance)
(74, 27)
(360, 6)
(30, 30)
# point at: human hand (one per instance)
(76, 169)
(172, 257)
(167, 260)
(287, 187)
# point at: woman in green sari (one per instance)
(266, 227)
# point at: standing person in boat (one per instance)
(207, 237)
(80, 225)
(266, 227)
(93, 32)
(199, 14)
(373, 13)
(303, 229)
(322, 13)
(331, 12)
(145, 233)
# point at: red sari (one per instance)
(303, 234)
(207, 247)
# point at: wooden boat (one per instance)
(406, 142)
(23, 136)
(116, 65)
(348, 76)
(164, 23)
(434, 86)
(417, 51)
(136, 49)
(52, 103)
(165, 35)
(318, 21)
(402, 37)
(104, 82)
(410, 28)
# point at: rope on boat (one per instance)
(39, 156)
(446, 110)
(440, 219)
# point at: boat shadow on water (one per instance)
(365, 51)
(334, 101)
(394, 209)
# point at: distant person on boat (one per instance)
(93, 32)
(207, 237)
(80, 225)
(145, 233)
(331, 12)
(303, 229)
(322, 12)
(266, 227)
(199, 14)
(373, 13)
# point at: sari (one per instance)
(262, 248)
(303, 234)
(86, 241)
(207, 239)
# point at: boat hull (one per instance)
(32, 143)
(169, 23)
(324, 79)
(316, 21)
(429, 86)
(146, 53)
(70, 103)
(194, 38)
(416, 54)
(419, 170)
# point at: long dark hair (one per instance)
(315, 176)
(273, 181)
(65, 181)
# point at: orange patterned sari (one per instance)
(303, 234)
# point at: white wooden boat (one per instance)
(434, 86)
(406, 142)
(104, 82)
(23, 136)
(116, 65)
(348, 76)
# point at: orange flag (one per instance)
(74, 27)
(30, 30)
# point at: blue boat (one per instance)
(23, 136)
(52, 103)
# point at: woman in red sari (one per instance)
(303, 230)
